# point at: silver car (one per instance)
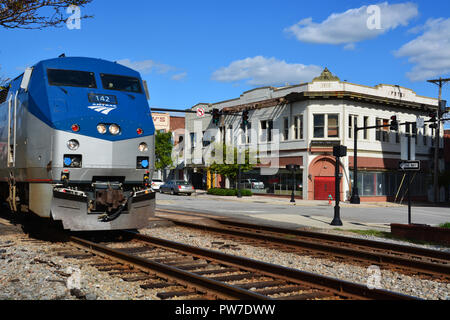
(255, 184)
(156, 183)
(177, 187)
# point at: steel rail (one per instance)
(422, 266)
(336, 286)
(435, 254)
(219, 289)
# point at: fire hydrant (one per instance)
(330, 198)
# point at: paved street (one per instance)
(316, 214)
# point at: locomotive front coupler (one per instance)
(107, 197)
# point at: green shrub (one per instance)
(229, 192)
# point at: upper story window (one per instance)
(415, 131)
(223, 133)
(246, 133)
(319, 126)
(193, 140)
(333, 126)
(71, 78)
(382, 134)
(285, 128)
(298, 127)
(352, 122)
(425, 135)
(266, 130)
(328, 121)
(366, 131)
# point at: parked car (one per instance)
(156, 183)
(177, 187)
(253, 184)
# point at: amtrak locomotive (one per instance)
(77, 144)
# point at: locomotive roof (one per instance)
(87, 64)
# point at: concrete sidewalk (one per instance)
(299, 203)
(283, 219)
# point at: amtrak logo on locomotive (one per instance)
(103, 108)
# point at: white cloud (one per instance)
(429, 52)
(355, 25)
(260, 71)
(179, 76)
(146, 66)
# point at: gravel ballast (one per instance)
(33, 270)
(388, 280)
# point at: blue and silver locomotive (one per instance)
(77, 144)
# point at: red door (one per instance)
(323, 187)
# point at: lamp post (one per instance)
(338, 152)
(355, 199)
(293, 168)
(239, 193)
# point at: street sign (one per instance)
(200, 112)
(409, 165)
(420, 123)
(404, 148)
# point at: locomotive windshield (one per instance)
(121, 83)
(71, 78)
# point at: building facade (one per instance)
(305, 122)
(164, 122)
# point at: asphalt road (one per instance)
(259, 207)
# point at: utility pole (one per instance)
(355, 199)
(440, 82)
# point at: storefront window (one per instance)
(389, 184)
(279, 184)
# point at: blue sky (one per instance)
(209, 51)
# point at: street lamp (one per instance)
(338, 152)
(293, 168)
(239, 193)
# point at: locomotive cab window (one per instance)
(121, 83)
(3, 93)
(71, 78)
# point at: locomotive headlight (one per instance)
(73, 145)
(101, 128)
(114, 129)
(143, 147)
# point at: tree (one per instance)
(231, 171)
(36, 14)
(3, 81)
(163, 150)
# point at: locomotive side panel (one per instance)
(39, 150)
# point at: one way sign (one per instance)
(409, 165)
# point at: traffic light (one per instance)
(394, 123)
(433, 118)
(216, 116)
(442, 107)
(245, 118)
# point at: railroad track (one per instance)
(404, 259)
(193, 273)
